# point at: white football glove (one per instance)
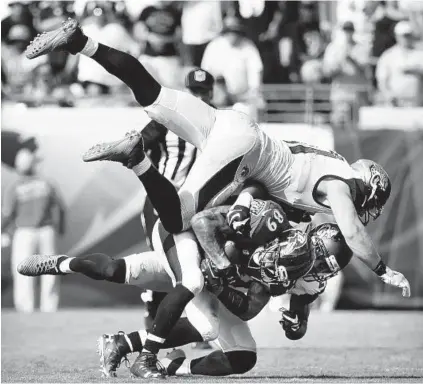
(397, 279)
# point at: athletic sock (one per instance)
(135, 341)
(64, 265)
(168, 313)
(163, 196)
(90, 47)
(129, 70)
(99, 266)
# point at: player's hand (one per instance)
(289, 321)
(212, 280)
(397, 279)
(238, 219)
(231, 275)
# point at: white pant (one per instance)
(27, 241)
(162, 270)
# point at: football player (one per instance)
(233, 150)
(173, 158)
(208, 318)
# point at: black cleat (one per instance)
(147, 366)
(60, 39)
(129, 151)
(111, 349)
(38, 265)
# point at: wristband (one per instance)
(380, 268)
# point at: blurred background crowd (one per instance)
(344, 75)
(268, 57)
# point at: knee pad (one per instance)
(242, 361)
(193, 280)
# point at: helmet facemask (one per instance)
(325, 266)
(266, 259)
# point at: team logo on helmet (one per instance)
(199, 76)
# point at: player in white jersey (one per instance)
(233, 151)
(220, 316)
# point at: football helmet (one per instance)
(284, 259)
(377, 188)
(331, 252)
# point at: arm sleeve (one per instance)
(152, 133)
(211, 229)
(245, 306)
(300, 305)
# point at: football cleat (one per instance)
(131, 147)
(147, 366)
(38, 265)
(60, 39)
(111, 350)
(173, 361)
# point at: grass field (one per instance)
(339, 347)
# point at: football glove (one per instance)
(212, 280)
(396, 279)
(238, 219)
(294, 328)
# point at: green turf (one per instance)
(339, 347)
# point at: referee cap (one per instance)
(199, 79)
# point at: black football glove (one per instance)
(294, 328)
(238, 219)
(212, 279)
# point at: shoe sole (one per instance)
(103, 370)
(107, 151)
(50, 41)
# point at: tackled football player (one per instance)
(207, 318)
(233, 150)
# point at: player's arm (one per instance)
(152, 133)
(294, 322)
(211, 230)
(239, 214)
(244, 305)
(339, 196)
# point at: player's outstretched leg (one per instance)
(69, 37)
(96, 266)
(162, 193)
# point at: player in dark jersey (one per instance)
(173, 158)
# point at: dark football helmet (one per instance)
(330, 250)
(377, 188)
(284, 259)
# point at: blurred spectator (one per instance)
(346, 63)
(235, 58)
(400, 70)
(17, 70)
(102, 24)
(201, 23)
(20, 15)
(31, 204)
(262, 22)
(159, 27)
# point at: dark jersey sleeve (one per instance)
(152, 133)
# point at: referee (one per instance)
(174, 158)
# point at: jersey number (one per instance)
(272, 221)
